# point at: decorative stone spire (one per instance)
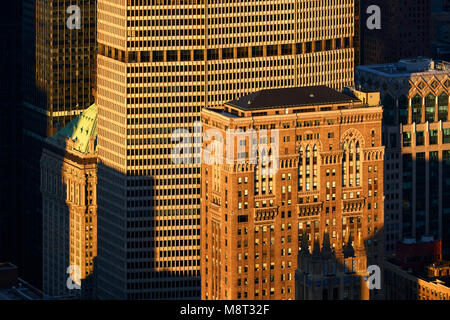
(347, 235)
(348, 250)
(326, 246)
(339, 251)
(360, 248)
(304, 246)
(316, 248)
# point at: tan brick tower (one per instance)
(327, 180)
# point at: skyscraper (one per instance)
(69, 205)
(58, 79)
(416, 133)
(405, 31)
(324, 181)
(10, 59)
(159, 63)
(421, 271)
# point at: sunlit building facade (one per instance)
(159, 64)
(58, 78)
(323, 186)
(69, 200)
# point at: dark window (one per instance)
(430, 106)
(420, 138)
(242, 218)
(446, 135)
(389, 110)
(416, 105)
(407, 139)
(403, 109)
(257, 51)
(433, 136)
(443, 107)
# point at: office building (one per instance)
(284, 162)
(159, 64)
(69, 201)
(58, 77)
(416, 133)
(417, 271)
(10, 81)
(405, 31)
(440, 29)
(14, 288)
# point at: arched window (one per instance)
(300, 169)
(314, 168)
(358, 164)
(351, 163)
(308, 172)
(308, 169)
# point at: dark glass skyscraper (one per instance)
(405, 31)
(10, 59)
(57, 86)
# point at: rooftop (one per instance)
(424, 274)
(81, 129)
(7, 266)
(14, 288)
(290, 97)
(23, 291)
(407, 67)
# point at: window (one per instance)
(420, 138)
(430, 106)
(351, 163)
(242, 218)
(403, 109)
(407, 139)
(443, 107)
(389, 110)
(446, 135)
(416, 105)
(433, 136)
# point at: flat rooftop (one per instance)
(23, 291)
(422, 274)
(7, 266)
(408, 67)
(290, 97)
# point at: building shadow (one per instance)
(68, 185)
(142, 253)
(10, 130)
(350, 269)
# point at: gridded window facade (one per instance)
(417, 138)
(159, 63)
(250, 240)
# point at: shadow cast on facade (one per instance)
(142, 254)
(10, 142)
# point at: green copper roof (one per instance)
(81, 129)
